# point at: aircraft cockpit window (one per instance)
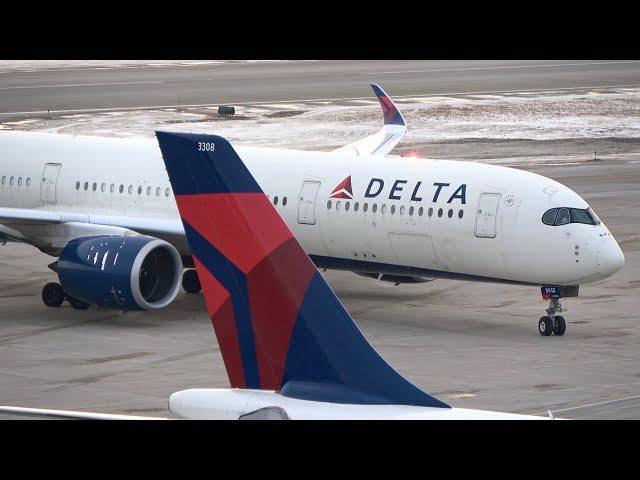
(587, 216)
(550, 216)
(564, 216)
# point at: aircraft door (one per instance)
(486, 217)
(49, 181)
(307, 203)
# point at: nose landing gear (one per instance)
(553, 323)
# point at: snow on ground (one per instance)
(611, 113)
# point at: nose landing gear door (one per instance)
(307, 203)
(487, 214)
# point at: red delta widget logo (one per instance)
(343, 189)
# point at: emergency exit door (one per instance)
(487, 215)
(49, 181)
(307, 203)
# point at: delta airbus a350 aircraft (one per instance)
(290, 349)
(357, 208)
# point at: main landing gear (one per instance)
(552, 323)
(190, 281)
(54, 296)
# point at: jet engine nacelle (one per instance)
(120, 272)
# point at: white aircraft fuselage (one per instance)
(402, 215)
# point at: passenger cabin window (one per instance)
(564, 216)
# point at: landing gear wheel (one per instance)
(77, 304)
(560, 325)
(52, 294)
(190, 281)
(545, 326)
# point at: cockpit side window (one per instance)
(550, 216)
(581, 216)
(563, 217)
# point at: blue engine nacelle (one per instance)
(121, 272)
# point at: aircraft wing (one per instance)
(70, 414)
(393, 130)
(160, 227)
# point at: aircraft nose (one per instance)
(611, 258)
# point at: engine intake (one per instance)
(121, 272)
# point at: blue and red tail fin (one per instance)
(392, 115)
(279, 325)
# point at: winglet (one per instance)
(384, 141)
(278, 324)
(392, 115)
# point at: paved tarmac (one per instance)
(27, 93)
